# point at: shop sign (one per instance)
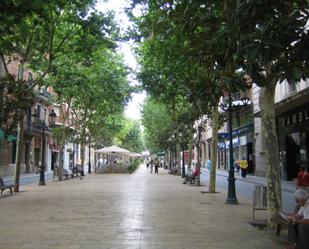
(236, 142)
(243, 140)
(2, 134)
(297, 118)
(12, 138)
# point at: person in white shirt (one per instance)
(298, 228)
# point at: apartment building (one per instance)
(292, 119)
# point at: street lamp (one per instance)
(89, 155)
(231, 196)
(52, 116)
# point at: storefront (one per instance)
(242, 146)
(293, 131)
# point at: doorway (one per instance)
(297, 150)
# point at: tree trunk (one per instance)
(190, 151)
(60, 158)
(20, 138)
(198, 163)
(95, 163)
(269, 134)
(82, 159)
(19, 149)
(178, 158)
(214, 150)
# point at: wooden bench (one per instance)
(65, 173)
(5, 186)
(279, 221)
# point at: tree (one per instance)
(96, 90)
(177, 55)
(274, 50)
(130, 136)
(269, 44)
(32, 36)
(157, 123)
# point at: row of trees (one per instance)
(71, 47)
(192, 51)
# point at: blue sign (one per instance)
(2, 134)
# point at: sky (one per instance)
(133, 109)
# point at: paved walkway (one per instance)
(140, 211)
(287, 186)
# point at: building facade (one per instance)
(38, 143)
(292, 119)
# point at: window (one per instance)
(291, 87)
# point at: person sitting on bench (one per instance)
(298, 224)
(191, 175)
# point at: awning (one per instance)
(113, 150)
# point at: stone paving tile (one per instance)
(137, 211)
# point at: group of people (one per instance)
(153, 164)
(298, 221)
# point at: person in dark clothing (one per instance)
(157, 166)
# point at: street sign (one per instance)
(12, 138)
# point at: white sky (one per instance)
(133, 109)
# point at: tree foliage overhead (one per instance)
(33, 35)
(222, 41)
(158, 125)
(130, 135)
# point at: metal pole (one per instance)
(73, 161)
(89, 163)
(231, 196)
(183, 162)
(176, 154)
(42, 168)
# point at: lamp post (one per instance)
(89, 155)
(231, 196)
(52, 116)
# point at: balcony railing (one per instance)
(36, 126)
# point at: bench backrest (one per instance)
(260, 196)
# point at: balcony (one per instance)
(43, 95)
(35, 127)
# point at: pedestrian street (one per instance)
(139, 210)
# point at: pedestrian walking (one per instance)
(209, 164)
(243, 167)
(156, 166)
(236, 166)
